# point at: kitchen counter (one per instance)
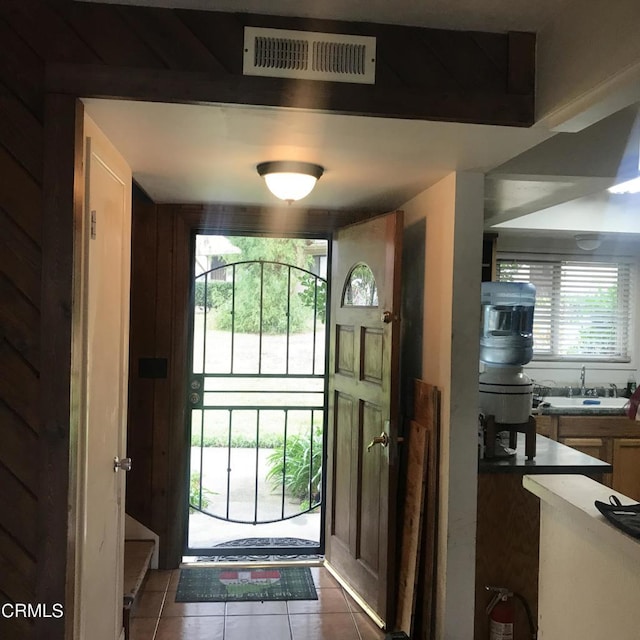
(589, 571)
(546, 410)
(508, 523)
(551, 458)
(582, 406)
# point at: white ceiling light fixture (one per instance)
(628, 186)
(290, 180)
(588, 241)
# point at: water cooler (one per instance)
(506, 344)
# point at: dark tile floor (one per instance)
(333, 616)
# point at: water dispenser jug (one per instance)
(507, 323)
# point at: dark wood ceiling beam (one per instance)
(428, 74)
(157, 85)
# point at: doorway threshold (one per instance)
(190, 561)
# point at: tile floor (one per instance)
(334, 616)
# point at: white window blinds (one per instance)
(582, 311)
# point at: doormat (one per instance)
(207, 584)
(247, 545)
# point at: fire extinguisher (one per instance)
(501, 614)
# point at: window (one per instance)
(360, 289)
(582, 310)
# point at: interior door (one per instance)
(363, 410)
(104, 323)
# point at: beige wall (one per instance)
(453, 212)
(588, 63)
(589, 581)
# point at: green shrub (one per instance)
(194, 493)
(267, 441)
(300, 468)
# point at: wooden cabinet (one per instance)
(614, 439)
(600, 448)
(626, 466)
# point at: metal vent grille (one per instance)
(307, 55)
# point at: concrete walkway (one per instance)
(240, 482)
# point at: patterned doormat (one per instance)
(206, 584)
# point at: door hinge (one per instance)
(94, 217)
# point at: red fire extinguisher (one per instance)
(501, 614)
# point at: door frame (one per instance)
(63, 201)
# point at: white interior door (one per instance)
(105, 267)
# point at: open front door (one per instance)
(363, 410)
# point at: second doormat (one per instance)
(208, 584)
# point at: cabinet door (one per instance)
(547, 426)
(595, 447)
(626, 470)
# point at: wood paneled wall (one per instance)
(88, 49)
(160, 281)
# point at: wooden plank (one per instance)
(46, 32)
(220, 33)
(521, 77)
(163, 475)
(466, 62)
(98, 23)
(20, 259)
(139, 496)
(22, 70)
(427, 412)
(19, 385)
(17, 569)
(168, 37)
(179, 442)
(18, 444)
(62, 214)
(412, 526)
(14, 628)
(19, 322)
(21, 133)
(18, 511)
(20, 196)
(271, 221)
(181, 86)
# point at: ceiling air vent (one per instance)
(306, 55)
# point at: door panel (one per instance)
(105, 325)
(363, 381)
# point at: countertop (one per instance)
(551, 458)
(546, 410)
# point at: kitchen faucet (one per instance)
(583, 388)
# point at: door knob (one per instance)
(382, 439)
(121, 463)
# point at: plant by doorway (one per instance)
(297, 463)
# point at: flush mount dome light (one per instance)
(588, 241)
(290, 180)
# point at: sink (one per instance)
(586, 403)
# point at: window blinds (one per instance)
(583, 309)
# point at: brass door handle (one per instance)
(382, 439)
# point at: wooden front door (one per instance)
(363, 410)
(103, 267)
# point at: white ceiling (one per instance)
(194, 154)
(208, 153)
